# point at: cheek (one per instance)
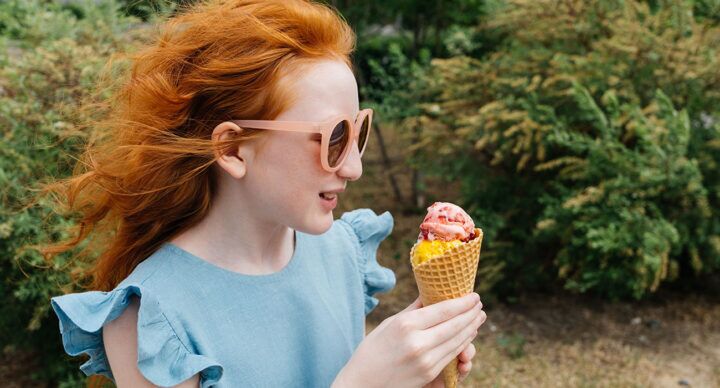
(290, 173)
(296, 155)
(298, 179)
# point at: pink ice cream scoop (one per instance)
(446, 221)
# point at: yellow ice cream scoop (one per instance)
(426, 250)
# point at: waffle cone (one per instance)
(449, 276)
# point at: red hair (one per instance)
(145, 175)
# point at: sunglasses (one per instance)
(337, 134)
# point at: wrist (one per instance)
(341, 380)
(348, 377)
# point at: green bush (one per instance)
(587, 144)
(50, 58)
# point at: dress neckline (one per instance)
(289, 268)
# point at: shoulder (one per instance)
(164, 276)
(132, 310)
(364, 224)
(153, 269)
(367, 230)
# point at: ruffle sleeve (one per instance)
(369, 230)
(162, 358)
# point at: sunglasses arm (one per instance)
(292, 126)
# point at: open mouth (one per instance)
(328, 196)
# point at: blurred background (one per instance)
(582, 136)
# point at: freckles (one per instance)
(283, 155)
(312, 157)
(295, 157)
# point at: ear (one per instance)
(234, 161)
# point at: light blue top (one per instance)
(293, 328)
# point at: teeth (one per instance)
(328, 195)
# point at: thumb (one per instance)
(414, 305)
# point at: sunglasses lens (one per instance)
(362, 137)
(338, 142)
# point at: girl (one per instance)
(209, 196)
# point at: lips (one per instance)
(329, 200)
(328, 196)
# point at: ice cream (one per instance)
(446, 225)
(445, 259)
(446, 221)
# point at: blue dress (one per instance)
(293, 328)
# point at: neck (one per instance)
(234, 237)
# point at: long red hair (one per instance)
(145, 175)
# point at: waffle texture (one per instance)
(450, 275)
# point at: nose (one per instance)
(351, 168)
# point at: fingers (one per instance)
(464, 370)
(414, 305)
(453, 347)
(437, 313)
(468, 353)
(447, 358)
(467, 322)
(465, 361)
(449, 350)
(457, 323)
(454, 354)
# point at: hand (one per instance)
(464, 366)
(411, 348)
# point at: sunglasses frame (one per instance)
(324, 128)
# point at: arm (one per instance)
(120, 338)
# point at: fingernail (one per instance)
(476, 296)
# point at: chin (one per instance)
(317, 225)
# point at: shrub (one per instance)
(587, 144)
(51, 56)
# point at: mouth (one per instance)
(328, 196)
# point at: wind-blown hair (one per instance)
(145, 176)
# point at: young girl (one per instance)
(210, 200)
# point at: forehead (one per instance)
(322, 89)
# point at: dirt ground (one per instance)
(567, 341)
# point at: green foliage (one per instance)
(609, 213)
(51, 55)
(394, 71)
(513, 345)
(707, 9)
(149, 9)
(587, 144)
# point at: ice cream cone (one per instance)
(450, 275)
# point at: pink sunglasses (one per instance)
(337, 134)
